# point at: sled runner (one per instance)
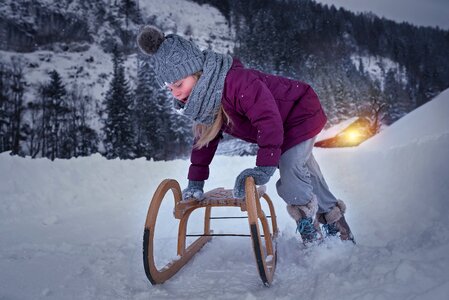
(264, 246)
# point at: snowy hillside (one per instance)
(378, 67)
(204, 23)
(72, 229)
(429, 121)
(87, 65)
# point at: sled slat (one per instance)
(216, 197)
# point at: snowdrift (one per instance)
(427, 122)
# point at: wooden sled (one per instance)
(264, 246)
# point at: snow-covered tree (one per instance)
(119, 140)
(149, 113)
(55, 118)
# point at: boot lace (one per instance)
(306, 229)
(330, 229)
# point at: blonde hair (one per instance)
(206, 133)
(198, 74)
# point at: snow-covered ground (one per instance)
(72, 229)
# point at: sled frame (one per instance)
(264, 245)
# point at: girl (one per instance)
(281, 115)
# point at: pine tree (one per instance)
(119, 138)
(17, 87)
(149, 115)
(5, 141)
(396, 98)
(55, 116)
(179, 136)
(161, 132)
(129, 9)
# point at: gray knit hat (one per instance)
(175, 57)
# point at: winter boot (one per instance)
(304, 215)
(334, 222)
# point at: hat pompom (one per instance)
(149, 39)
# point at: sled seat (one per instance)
(263, 245)
(216, 197)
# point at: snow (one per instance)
(72, 229)
(427, 122)
(204, 22)
(73, 67)
(90, 68)
(378, 67)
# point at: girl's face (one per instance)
(181, 89)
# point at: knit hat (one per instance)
(175, 57)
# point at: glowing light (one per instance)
(353, 135)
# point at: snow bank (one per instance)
(429, 121)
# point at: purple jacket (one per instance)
(275, 112)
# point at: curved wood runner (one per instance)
(266, 259)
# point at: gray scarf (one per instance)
(205, 99)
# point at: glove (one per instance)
(261, 176)
(194, 190)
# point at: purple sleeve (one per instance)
(201, 158)
(260, 107)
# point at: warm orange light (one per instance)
(353, 135)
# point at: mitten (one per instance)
(194, 190)
(261, 176)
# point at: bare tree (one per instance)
(83, 137)
(34, 142)
(377, 108)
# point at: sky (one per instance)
(418, 12)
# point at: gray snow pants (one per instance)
(301, 177)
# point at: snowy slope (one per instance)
(429, 121)
(72, 229)
(90, 68)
